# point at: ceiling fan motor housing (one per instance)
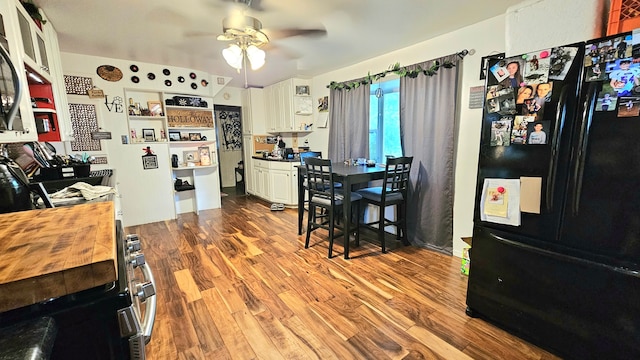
(245, 27)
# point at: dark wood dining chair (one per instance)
(325, 202)
(393, 192)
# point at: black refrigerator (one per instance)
(555, 255)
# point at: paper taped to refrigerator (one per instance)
(530, 194)
(500, 202)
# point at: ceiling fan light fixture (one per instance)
(233, 56)
(256, 57)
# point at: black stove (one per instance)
(112, 321)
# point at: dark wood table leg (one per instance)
(346, 211)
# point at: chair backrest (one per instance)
(307, 154)
(396, 177)
(320, 179)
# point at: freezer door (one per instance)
(602, 215)
(515, 153)
(578, 308)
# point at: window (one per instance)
(384, 120)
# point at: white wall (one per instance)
(145, 195)
(486, 38)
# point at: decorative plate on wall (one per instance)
(166, 72)
(181, 79)
(109, 73)
(194, 86)
(133, 68)
(167, 82)
(135, 79)
(151, 76)
(204, 83)
(192, 75)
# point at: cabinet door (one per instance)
(257, 182)
(248, 164)
(33, 41)
(22, 127)
(266, 184)
(286, 102)
(270, 109)
(280, 181)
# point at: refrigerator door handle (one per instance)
(561, 115)
(585, 125)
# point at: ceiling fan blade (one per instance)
(285, 33)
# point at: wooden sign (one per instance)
(190, 118)
(95, 93)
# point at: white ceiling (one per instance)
(183, 32)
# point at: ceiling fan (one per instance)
(246, 36)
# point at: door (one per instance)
(603, 208)
(527, 129)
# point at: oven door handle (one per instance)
(150, 305)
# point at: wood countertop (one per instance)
(53, 252)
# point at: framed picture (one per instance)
(302, 90)
(149, 134)
(155, 108)
(323, 103)
(149, 162)
(174, 136)
(205, 156)
(195, 136)
(190, 157)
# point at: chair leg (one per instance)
(331, 232)
(403, 224)
(311, 216)
(381, 229)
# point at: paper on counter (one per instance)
(502, 208)
(530, 194)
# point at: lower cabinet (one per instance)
(276, 181)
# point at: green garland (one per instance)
(396, 69)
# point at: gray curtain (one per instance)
(427, 126)
(348, 122)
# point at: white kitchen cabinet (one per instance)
(271, 109)
(34, 44)
(280, 181)
(276, 181)
(58, 89)
(286, 111)
(23, 128)
(253, 111)
(247, 140)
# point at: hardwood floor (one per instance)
(237, 283)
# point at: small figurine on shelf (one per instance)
(134, 138)
(162, 136)
(148, 150)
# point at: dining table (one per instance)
(347, 175)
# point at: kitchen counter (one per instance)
(53, 252)
(274, 159)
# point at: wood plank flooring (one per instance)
(237, 283)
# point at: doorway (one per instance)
(229, 144)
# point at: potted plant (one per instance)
(34, 12)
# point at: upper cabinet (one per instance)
(33, 41)
(288, 106)
(253, 111)
(17, 123)
(44, 111)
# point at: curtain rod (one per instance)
(401, 71)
